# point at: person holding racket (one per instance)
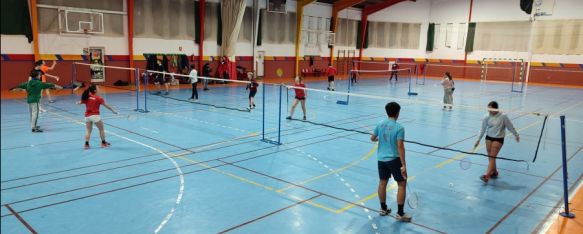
(300, 97)
(391, 159)
(494, 125)
(92, 103)
(252, 87)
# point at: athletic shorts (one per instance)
(93, 119)
(501, 140)
(160, 80)
(330, 78)
(252, 93)
(300, 98)
(393, 167)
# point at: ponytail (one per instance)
(91, 89)
(448, 76)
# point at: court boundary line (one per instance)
(516, 206)
(26, 224)
(270, 213)
(543, 227)
(324, 194)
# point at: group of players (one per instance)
(37, 82)
(388, 133)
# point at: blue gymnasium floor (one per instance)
(188, 168)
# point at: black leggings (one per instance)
(194, 91)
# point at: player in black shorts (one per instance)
(252, 87)
(160, 78)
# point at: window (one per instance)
(461, 36)
(436, 36)
(448, 34)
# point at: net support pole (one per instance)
(410, 93)
(137, 83)
(540, 138)
(73, 76)
(279, 116)
(146, 76)
(566, 213)
(278, 142)
(342, 102)
(263, 116)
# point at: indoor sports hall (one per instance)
(281, 116)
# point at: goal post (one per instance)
(517, 71)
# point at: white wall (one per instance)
(421, 11)
(15, 44)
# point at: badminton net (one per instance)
(424, 121)
(221, 93)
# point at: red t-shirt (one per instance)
(331, 71)
(300, 93)
(92, 105)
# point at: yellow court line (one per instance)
(371, 196)
(315, 204)
(192, 150)
(353, 163)
(242, 179)
(462, 155)
(223, 172)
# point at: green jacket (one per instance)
(33, 89)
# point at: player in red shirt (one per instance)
(331, 72)
(300, 97)
(92, 102)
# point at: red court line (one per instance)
(21, 219)
(270, 213)
(530, 194)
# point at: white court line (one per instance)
(547, 225)
(178, 170)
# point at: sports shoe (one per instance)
(384, 212)
(52, 101)
(86, 146)
(105, 145)
(253, 106)
(166, 93)
(157, 93)
(205, 89)
(494, 174)
(289, 117)
(304, 118)
(37, 130)
(485, 178)
(404, 218)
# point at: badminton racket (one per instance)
(412, 197)
(466, 163)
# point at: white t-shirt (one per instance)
(494, 126)
(447, 84)
(193, 76)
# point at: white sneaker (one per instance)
(404, 218)
(385, 212)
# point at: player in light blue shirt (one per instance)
(391, 159)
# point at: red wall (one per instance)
(14, 72)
